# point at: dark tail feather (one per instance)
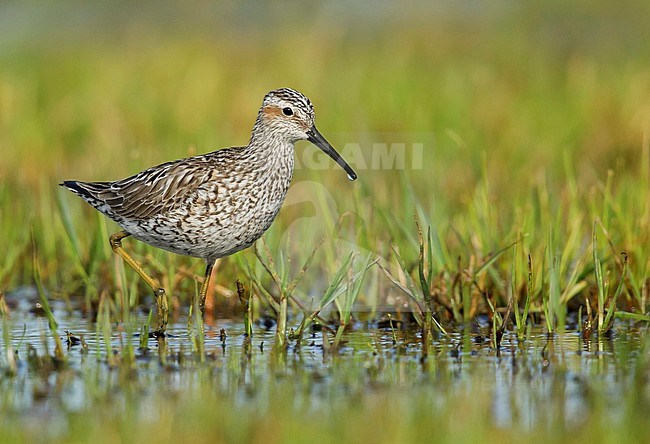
(80, 188)
(75, 187)
(70, 184)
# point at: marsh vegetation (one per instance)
(487, 277)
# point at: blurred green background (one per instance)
(87, 85)
(523, 106)
(534, 118)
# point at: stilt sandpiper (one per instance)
(212, 205)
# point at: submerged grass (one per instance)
(526, 163)
(569, 389)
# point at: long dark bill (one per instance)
(317, 139)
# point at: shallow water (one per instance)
(543, 378)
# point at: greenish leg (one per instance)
(158, 291)
(206, 284)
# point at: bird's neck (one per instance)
(272, 152)
(270, 144)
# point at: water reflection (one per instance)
(540, 380)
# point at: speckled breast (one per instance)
(220, 218)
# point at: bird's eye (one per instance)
(287, 111)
